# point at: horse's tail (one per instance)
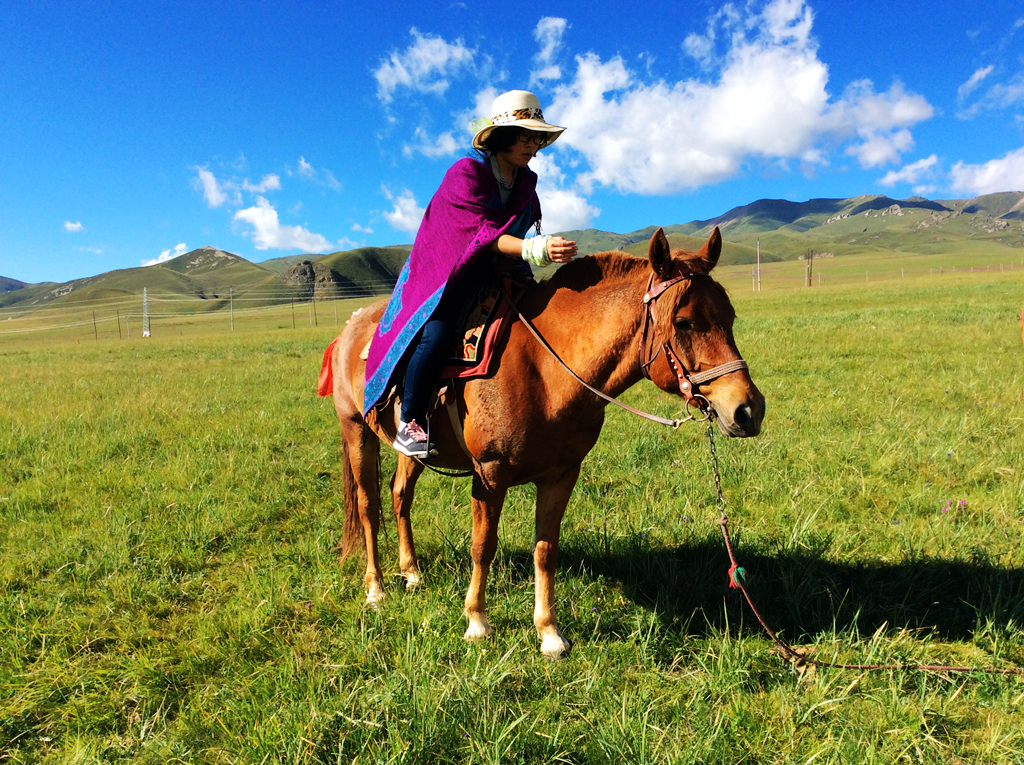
(352, 537)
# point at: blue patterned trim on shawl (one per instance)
(376, 385)
(395, 303)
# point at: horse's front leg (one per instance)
(403, 486)
(552, 498)
(487, 504)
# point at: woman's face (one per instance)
(525, 148)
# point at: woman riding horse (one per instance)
(613, 319)
(484, 207)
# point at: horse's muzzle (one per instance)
(740, 416)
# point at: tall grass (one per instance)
(169, 591)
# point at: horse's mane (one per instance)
(607, 268)
(601, 266)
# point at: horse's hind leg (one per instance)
(362, 501)
(487, 504)
(403, 486)
(552, 498)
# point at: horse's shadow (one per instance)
(800, 593)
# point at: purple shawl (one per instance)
(461, 222)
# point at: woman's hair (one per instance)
(502, 139)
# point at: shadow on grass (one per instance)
(803, 594)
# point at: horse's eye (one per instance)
(683, 325)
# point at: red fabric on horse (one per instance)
(326, 384)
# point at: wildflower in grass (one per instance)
(895, 521)
(963, 504)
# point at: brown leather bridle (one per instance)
(689, 384)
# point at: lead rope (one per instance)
(737, 575)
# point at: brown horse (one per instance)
(613, 319)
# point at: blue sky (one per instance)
(131, 132)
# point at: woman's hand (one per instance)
(561, 250)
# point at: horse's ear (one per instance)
(711, 251)
(660, 254)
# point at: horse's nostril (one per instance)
(742, 416)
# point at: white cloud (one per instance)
(406, 214)
(912, 173)
(215, 192)
(880, 120)
(548, 34)
(767, 100)
(74, 228)
(179, 249)
(1003, 174)
(321, 177)
(563, 209)
(269, 233)
(975, 80)
(269, 182)
(424, 66)
(444, 145)
(881, 147)
(999, 96)
(361, 229)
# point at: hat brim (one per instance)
(531, 124)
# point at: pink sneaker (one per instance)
(412, 440)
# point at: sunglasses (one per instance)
(537, 139)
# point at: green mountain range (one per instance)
(777, 229)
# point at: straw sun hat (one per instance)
(517, 108)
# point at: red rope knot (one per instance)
(736, 576)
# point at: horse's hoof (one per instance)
(555, 647)
(412, 581)
(374, 598)
(479, 631)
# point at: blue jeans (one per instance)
(428, 359)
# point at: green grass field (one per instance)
(169, 592)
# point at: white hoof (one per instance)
(374, 597)
(479, 630)
(412, 581)
(554, 646)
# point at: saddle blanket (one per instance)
(483, 321)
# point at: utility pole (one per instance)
(758, 265)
